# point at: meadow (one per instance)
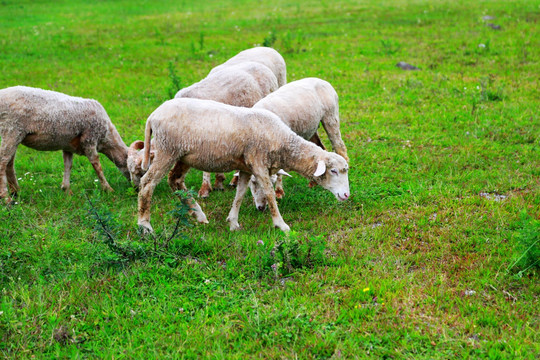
(435, 254)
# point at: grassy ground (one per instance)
(423, 261)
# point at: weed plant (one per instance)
(528, 249)
(175, 84)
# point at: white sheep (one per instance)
(263, 55)
(48, 121)
(239, 84)
(302, 105)
(216, 137)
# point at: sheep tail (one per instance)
(147, 137)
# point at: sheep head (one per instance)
(134, 162)
(332, 174)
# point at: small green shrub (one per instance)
(528, 246)
(175, 83)
(270, 39)
(201, 40)
(290, 254)
(197, 49)
(487, 93)
(390, 47)
(292, 42)
(126, 250)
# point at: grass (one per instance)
(428, 258)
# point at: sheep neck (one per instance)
(115, 149)
(304, 156)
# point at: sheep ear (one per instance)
(137, 145)
(321, 168)
(283, 172)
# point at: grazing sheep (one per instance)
(216, 137)
(263, 55)
(302, 105)
(241, 84)
(47, 120)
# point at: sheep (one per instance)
(239, 84)
(264, 55)
(216, 137)
(302, 105)
(47, 120)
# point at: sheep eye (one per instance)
(334, 171)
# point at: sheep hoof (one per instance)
(202, 219)
(234, 182)
(283, 227)
(280, 193)
(204, 194)
(67, 191)
(218, 184)
(145, 228)
(235, 227)
(108, 188)
(234, 224)
(204, 191)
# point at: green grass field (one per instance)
(435, 255)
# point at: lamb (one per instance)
(216, 137)
(239, 84)
(48, 120)
(302, 105)
(263, 55)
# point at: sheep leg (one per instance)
(92, 155)
(153, 176)
(177, 176)
(206, 187)
(12, 177)
(68, 162)
(268, 190)
(280, 193)
(331, 126)
(243, 179)
(176, 182)
(8, 148)
(234, 180)
(220, 178)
